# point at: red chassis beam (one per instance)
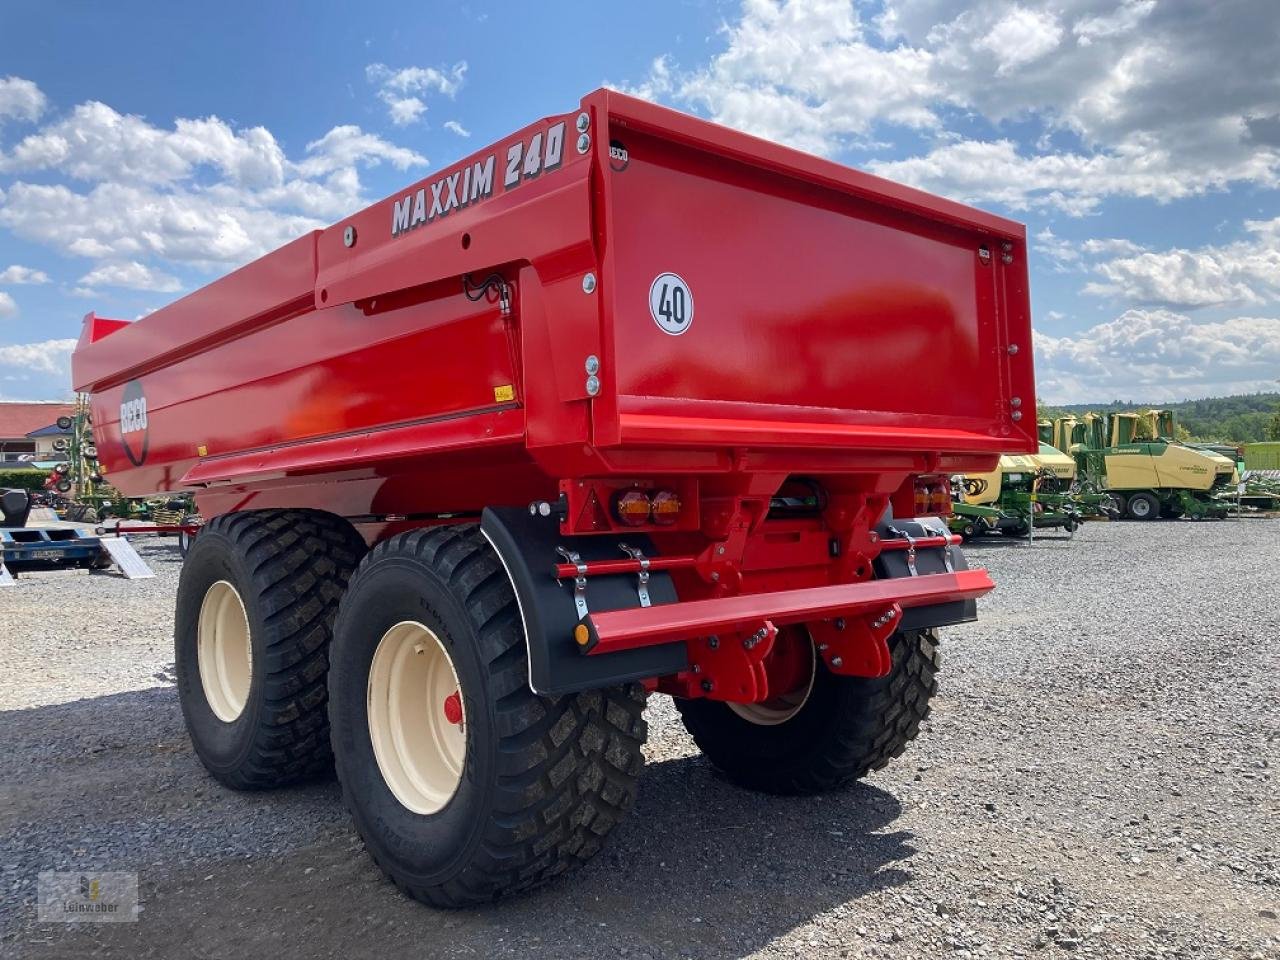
(614, 630)
(157, 528)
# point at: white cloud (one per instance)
(418, 79)
(1159, 355)
(1109, 245)
(47, 356)
(131, 274)
(20, 99)
(1244, 272)
(342, 148)
(120, 221)
(1161, 101)
(95, 142)
(1120, 21)
(202, 193)
(7, 306)
(402, 90)
(453, 126)
(1075, 183)
(1021, 37)
(806, 73)
(403, 110)
(659, 83)
(20, 274)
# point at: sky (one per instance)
(146, 149)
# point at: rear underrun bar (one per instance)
(613, 630)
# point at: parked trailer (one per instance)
(625, 403)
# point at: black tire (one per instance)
(1143, 506)
(544, 779)
(847, 728)
(290, 568)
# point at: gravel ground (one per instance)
(1098, 779)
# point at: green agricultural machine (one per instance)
(1022, 493)
(1260, 474)
(86, 495)
(1135, 460)
(1262, 457)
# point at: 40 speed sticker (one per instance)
(671, 304)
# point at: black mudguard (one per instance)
(526, 544)
(893, 563)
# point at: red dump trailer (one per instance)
(625, 403)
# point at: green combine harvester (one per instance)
(1136, 461)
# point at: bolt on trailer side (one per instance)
(701, 393)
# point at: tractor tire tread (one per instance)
(870, 732)
(568, 766)
(300, 587)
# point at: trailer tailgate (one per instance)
(821, 306)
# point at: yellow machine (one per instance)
(1023, 491)
(1018, 471)
(987, 487)
(1145, 471)
(1063, 467)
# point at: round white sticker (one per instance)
(671, 304)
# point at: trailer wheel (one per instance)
(1143, 506)
(842, 730)
(463, 783)
(257, 598)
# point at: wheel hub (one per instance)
(416, 717)
(791, 667)
(224, 651)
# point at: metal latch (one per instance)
(911, 549)
(579, 582)
(643, 588)
(945, 534)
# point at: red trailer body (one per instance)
(618, 324)
(852, 323)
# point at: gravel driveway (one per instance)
(1098, 779)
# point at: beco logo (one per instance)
(133, 423)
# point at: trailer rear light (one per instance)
(933, 497)
(632, 507)
(940, 500)
(666, 508)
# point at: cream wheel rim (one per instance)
(224, 651)
(779, 709)
(416, 717)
